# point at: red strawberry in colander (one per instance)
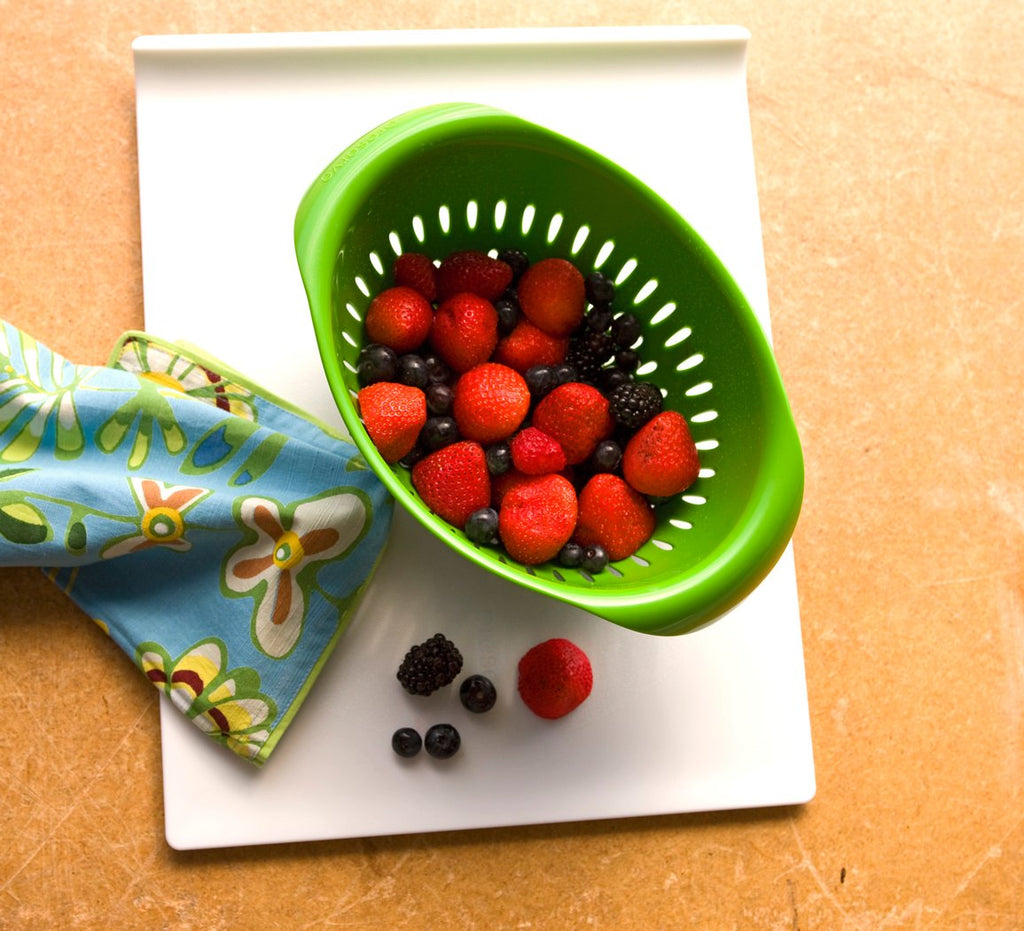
(578, 416)
(474, 272)
(453, 481)
(527, 346)
(552, 296)
(555, 677)
(614, 516)
(465, 331)
(537, 518)
(399, 317)
(393, 415)
(491, 401)
(661, 458)
(536, 453)
(416, 270)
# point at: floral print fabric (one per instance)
(219, 536)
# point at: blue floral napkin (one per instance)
(219, 536)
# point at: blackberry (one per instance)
(588, 353)
(406, 742)
(477, 694)
(429, 666)
(634, 403)
(442, 741)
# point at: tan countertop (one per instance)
(888, 143)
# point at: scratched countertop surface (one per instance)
(888, 145)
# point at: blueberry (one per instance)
(595, 558)
(626, 330)
(599, 318)
(442, 741)
(413, 371)
(570, 555)
(599, 288)
(406, 742)
(376, 363)
(412, 457)
(564, 373)
(439, 432)
(438, 372)
(482, 526)
(627, 360)
(508, 313)
(612, 378)
(540, 379)
(606, 456)
(498, 458)
(477, 694)
(439, 399)
(515, 259)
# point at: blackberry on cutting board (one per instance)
(430, 665)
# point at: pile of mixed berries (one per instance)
(509, 389)
(553, 679)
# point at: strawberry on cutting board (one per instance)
(555, 678)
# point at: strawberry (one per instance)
(661, 458)
(536, 453)
(527, 346)
(393, 415)
(417, 271)
(555, 677)
(578, 416)
(502, 484)
(399, 317)
(491, 401)
(474, 272)
(465, 331)
(552, 296)
(537, 518)
(453, 481)
(614, 516)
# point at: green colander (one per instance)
(458, 176)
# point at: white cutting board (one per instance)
(231, 131)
